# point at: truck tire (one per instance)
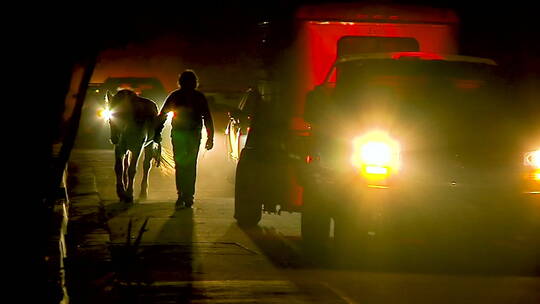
(247, 206)
(315, 224)
(247, 211)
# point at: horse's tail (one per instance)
(163, 158)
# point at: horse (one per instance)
(132, 124)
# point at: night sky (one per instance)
(212, 34)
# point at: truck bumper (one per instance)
(432, 213)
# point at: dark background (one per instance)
(51, 37)
(505, 31)
(216, 32)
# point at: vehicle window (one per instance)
(450, 94)
(352, 45)
(422, 81)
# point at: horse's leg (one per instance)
(147, 165)
(119, 155)
(132, 170)
(127, 160)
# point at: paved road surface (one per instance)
(202, 256)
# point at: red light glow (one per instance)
(319, 43)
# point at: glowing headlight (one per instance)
(376, 154)
(105, 114)
(532, 159)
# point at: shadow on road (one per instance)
(283, 251)
(465, 259)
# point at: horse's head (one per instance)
(122, 98)
(120, 104)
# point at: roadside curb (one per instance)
(88, 236)
(56, 251)
(85, 201)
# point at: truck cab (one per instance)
(412, 145)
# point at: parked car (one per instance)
(239, 120)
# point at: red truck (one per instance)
(266, 178)
(371, 123)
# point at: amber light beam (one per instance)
(376, 155)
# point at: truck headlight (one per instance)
(376, 155)
(532, 159)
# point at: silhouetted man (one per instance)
(190, 109)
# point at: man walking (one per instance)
(190, 110)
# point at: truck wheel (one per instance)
(315, 225)
(247, 211)
(247, 206)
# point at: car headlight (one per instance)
(376, 155)
(105, 114)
